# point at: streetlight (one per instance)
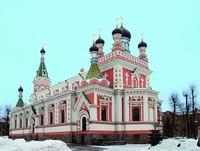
(23, 120)
(195, 129)
(155, 126)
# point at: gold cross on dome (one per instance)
(99, 31)
(116, 21)
(20, 83)
(93, 35)
(142, 35)
(122, 19)
(42, 44)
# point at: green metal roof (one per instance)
(20, 103)
(42, 70)
(94, 72)
(86, 97)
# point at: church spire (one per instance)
(41, 81)
(42, 70)
(100, 43)
(20, 102)
(142, 46)
(94, 71)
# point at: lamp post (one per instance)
(71, 101)
(155, 126)
(195, 129)
(23, 120)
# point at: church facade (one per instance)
(113, 101)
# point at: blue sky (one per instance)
(171, 30)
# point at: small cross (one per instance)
(93, 37)
(126, 75)
(20, 83)
(142, 35)
(42, 44)
(99, 30)
(116, 22)
(105, 75)
(121, 19)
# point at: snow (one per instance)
(21, 145)
(165, 145)
(171, 145)
(57, 145)
(128, 147)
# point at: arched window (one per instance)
(26, 122)
(41, 119)
(20, 123)
(84, 124)
(15, 123)
(62, 116)
(50, 118)
(103, 114)
(136, 114)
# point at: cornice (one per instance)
(124, 64)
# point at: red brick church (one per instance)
(112, 101)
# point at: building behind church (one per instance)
(113, 101)
(4, 126)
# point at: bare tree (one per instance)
(174, 102)
(181, 107)
(0, 111)
(193, 101)
(187, 105)
(7, 110)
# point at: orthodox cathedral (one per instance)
(112, 101)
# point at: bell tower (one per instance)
(41, 81)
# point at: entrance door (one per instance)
(84, 124)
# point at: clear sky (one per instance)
(171, 29)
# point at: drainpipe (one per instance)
(115, 116)
(43, 120)
(123, 96)
(23, 120)
(72, 94)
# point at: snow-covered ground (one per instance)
(165, 145)
(21, 145)
(171, 145)
(56, 145)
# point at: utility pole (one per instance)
(193, 113)
(193, 120)
(187, 109)
(173, 118)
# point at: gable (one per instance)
(135, 73)
(82, 102)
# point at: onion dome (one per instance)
(20, 89)
(42, 51)
(142, 44)
(93, 48)
(99, 41)
(125, 32)
(116, 31)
